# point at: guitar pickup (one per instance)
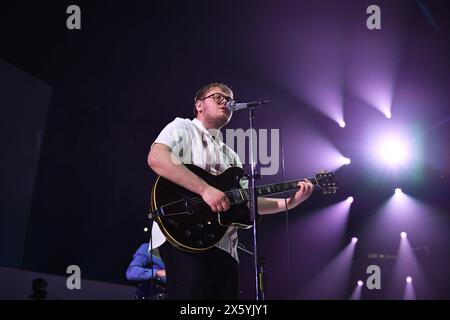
(237, 196)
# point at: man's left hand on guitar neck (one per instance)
(275, 205)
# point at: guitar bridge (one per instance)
(188, 205)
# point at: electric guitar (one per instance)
(189, 223)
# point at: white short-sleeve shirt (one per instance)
(193, 144)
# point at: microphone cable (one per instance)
(286, 210)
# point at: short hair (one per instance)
(203, 90)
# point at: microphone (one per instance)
(233, 105)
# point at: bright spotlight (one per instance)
(350, 199)
(360, 283)
(354, 240)
(403, 235)
(393, 151)
(342, 124)
(408, 279)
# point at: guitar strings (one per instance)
(199, 201)
(196, 200)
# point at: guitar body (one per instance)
(187, 221)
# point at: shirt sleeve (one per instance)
(140, 267)
(176, 135)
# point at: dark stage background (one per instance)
(80, 109)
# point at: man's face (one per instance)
(212, 108)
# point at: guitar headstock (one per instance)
(327, 182)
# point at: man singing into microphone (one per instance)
(211, 274)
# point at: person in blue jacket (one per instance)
(149, 270)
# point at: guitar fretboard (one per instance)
(275, 188)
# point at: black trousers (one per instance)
(209, 275)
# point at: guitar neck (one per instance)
(274, 188)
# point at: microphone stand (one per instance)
(261, 271)
(151, 261)
(258, 268)
(254, 209)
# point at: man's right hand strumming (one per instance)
(216, 199)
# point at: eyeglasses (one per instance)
(219, 98)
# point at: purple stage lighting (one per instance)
(388, 114)
(393, 151)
